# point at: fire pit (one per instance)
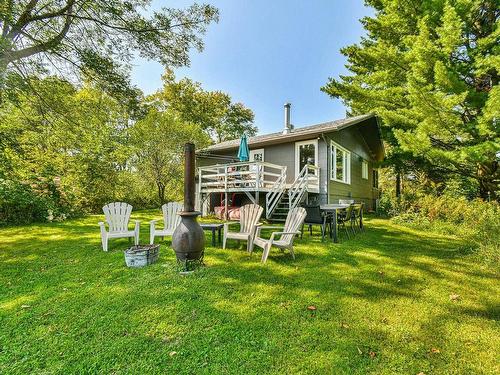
(188, 240)
(141, 255)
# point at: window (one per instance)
(364, 169)
(375, 178)
(305, 153)
(257, 155)
(340, 164)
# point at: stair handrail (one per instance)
(299, 187)
(275, 193)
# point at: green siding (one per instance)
(282, 154)
(359, 189)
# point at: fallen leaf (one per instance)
(385, 320)
(359, 351)
(434, 350)
(344, 325)
(381, 273)
(25, 306)
(421, 373)
(372, 354)
(171, 354)
(454, 297)
(311, 308)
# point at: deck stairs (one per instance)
(281, 210)
(284, 198)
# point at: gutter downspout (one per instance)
(328, 166)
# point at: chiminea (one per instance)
(188, 240)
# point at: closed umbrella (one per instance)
(243, 152)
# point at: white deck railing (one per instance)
(242, 176)
(307, 180)
(274, 196)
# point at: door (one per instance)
(306, 152)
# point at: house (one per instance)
(319, 163)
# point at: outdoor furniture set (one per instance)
(330, 217)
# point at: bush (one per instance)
(22, 203)
(475, 220)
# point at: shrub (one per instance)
(475, 220)
(22, 203)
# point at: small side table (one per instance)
(213, 228)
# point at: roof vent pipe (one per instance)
(288, 127)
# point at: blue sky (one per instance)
(265, 53)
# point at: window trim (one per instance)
(257, 151)
(363, 164)
(333, 155)
(297, 148)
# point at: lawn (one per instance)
(391, 301)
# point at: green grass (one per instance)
(68, 307)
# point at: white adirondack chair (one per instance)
(117, 217)
(294, 221)
(249, 218)
(171, 220)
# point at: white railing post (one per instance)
(199, 180)
(257, 175)
(225, 177)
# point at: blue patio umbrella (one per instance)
(243, 152)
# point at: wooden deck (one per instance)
(240, 177)
(257, 179)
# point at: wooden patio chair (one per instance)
(249, 218)
(117, 217)
(283, 239)
(171, 220)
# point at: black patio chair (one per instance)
(356, 217)
(315, 216)
(342, 219)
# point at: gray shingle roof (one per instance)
(279, 137)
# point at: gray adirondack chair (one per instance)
(249, 218)
(283, 239)
(117, 217)
(171, 220)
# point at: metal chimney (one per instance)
(288, 127)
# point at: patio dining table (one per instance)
(334, 208)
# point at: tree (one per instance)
(76, 137)
(213, 111)
(158, 141)
(430, 70)
(96, 38)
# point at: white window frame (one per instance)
(346, 163)
(297, 148)
(257, 151)
(364, 169)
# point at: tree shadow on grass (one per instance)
(233, 314)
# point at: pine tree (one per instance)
(430, 70)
